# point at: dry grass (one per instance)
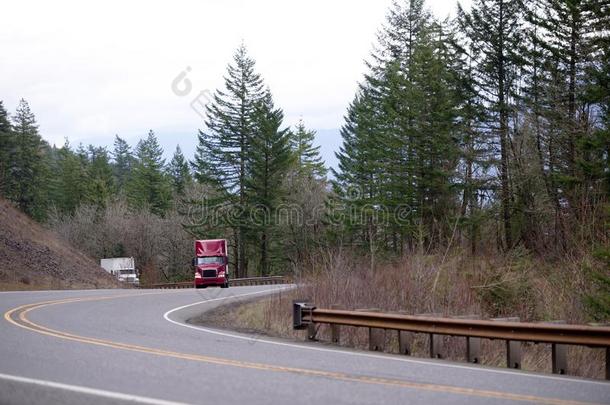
(514, 285)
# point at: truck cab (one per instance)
(123, 268)
(211, 263)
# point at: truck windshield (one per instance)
(211, 259)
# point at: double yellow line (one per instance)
(18, 317)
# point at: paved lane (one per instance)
(121, 346)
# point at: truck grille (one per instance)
(209, 273)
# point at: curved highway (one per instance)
(134, 346)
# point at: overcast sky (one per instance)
(92, 70)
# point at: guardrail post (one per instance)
(404, 339)
(311, 331)
(513, 347)
(559, 358)
(404, 342)
(607, 363)
(559, 354)
(436, 341)
(335, 331)
(607, 349)
(297, 318)
(376, 335)
(473, 344)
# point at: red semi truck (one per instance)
(211, 263)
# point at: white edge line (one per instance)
(100, 290)
(353, 353)
(88, 391)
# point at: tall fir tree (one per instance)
(308, 159)
(495, 29)
(6, 148)
(400, 151)
(149, 187)
(268, 163)
(71, 181)
(123, 162)
(102, 186)
(179, 171)
(28, 183)
(571, 36)
(223, 148)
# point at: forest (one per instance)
(484, 136)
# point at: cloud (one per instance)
(94, 69)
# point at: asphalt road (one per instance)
(133, 346)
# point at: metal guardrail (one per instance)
(307, 316)
(233, 282)
(258, 280)
(181, 284)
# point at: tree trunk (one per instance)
(504, 182)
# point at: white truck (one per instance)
(123, 268)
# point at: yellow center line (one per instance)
(25, 323)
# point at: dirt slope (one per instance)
(32, 257)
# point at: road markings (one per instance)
(88, 391)
(23, 322)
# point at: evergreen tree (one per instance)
(269, 160)
(123, 162)
(71, 181)
(101, 187)
(27, 183)
(400, 148)
(396, 40)
(571, 37)
(431, 100)
(179, 172)
(308, 160)
(149, 186)
(223, 149)
(359, 176)
(6, 148)
(494, 27)
(475, 176)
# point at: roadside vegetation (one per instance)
(455, 284)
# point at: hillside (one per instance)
(32, 257)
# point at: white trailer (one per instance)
(123, 268)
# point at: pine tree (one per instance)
(268, 163)
(474, 175)
(179, 172)
(359, 179)
(308, 159)
(71, 181)
(27, 172)
(400, 151)
(396, 40)
(123, 162)
(571, 39)
(101, 187)
(431, 100)
(6, 147)
(149, 186)
(223, 149)
(494, 27)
